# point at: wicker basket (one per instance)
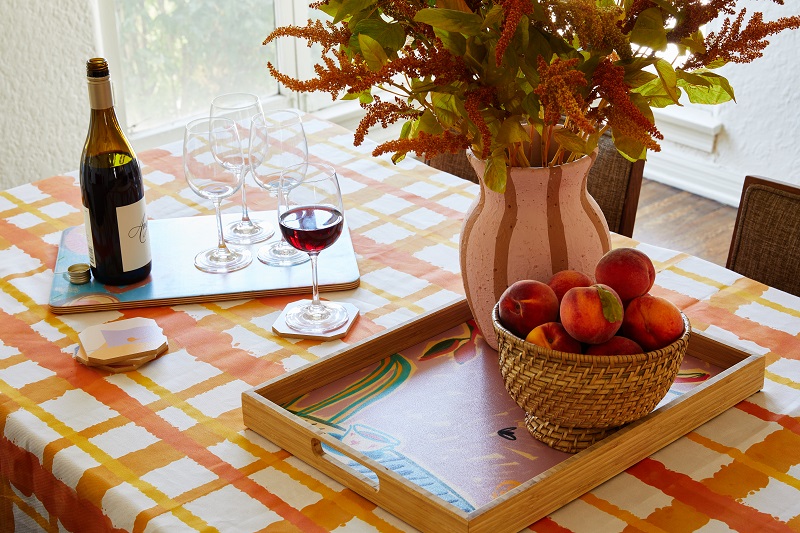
(573, 400)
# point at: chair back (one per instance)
(614, 182)
(766, 236)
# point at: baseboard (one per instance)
(695, 176)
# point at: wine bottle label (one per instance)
(89, 243)
(133, 239)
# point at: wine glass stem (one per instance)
(245, 213)
(314, 283)
(220, 238)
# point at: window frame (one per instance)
(290, 53)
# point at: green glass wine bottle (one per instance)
(112, 191)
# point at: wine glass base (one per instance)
(248, 232)
(327, 316)
(281, 254)
(217, 261)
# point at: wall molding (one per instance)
(694, 175)
(689, 126)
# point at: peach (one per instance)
(628, 271)
(616, 345)
(564, 280)
(526, 304)
(553, 335)
(652, 321)
(591, 314)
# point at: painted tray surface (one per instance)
(438, 414)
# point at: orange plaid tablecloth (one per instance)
(163, 449)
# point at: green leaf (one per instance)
(696, 43)
(331, 8)
(649, 30)
(468, 24)
(373, 52)
(455, 43)
(715, 90)
(639, 78)
(457, 5)
(496, 173)
(391, 36)
(669, 78)
(493, 16)
(364, 96)
(612, 308)
(405, 131)
(350, 8)
(511, 131)
(427, 123)
(446, 108)
(570, 141)
(531, 106)
(690, 78)
(628, 147)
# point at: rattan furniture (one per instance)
(766, 236)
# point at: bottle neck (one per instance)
(100, 93)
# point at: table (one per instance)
(163, 449)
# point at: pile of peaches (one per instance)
(614, 314)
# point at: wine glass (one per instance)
(280, 141)
(311, 220)
(212, 162)
(242, 108)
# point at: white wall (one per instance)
(44, 45)
(758, 133)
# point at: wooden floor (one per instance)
(682, 221)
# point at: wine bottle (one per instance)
(112, 191)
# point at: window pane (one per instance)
(178, 54)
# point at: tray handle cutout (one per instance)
(348, 463)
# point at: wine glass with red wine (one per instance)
(212, 155)
(311, 220)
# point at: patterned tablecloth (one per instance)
(163, 449)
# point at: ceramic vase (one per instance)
(545, 222)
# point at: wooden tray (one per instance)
(174, 279)
(340, 434)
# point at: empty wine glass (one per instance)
(311, 220)
(280, 141)
(241, 108)
(212, 162)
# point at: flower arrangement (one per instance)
(524, 82)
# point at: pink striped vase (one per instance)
(545, 222)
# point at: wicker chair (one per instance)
(614, 182)
(766, 236)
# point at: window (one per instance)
(169, 58)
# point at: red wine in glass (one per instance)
(312, 228)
